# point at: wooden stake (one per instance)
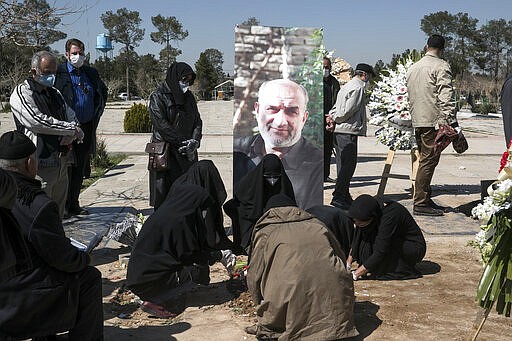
(481, 317)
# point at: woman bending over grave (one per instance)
(387, 243)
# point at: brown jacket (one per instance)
(429, 86)
(298, 279)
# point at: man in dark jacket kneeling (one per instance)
(46, 284)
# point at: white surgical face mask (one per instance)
(77, 60)
(184, 86)
(327, 72)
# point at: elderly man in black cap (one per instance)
(349, 113)
(41, 113)
(51, 287)
(429, 85)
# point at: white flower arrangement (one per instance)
(500, 199)
(389, 108)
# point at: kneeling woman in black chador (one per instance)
(171, 252)
(251, 194)
(206, 175)
(387, 240)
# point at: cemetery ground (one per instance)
(439, 306)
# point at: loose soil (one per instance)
(438, 306)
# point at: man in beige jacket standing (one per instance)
(429, 84)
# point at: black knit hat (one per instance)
(366, 68)
(15, 145)
(436, 41)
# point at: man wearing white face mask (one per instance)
(83, 91)
(41, 113)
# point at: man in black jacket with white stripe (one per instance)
(41, 113)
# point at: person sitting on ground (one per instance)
(387, 243)
(298, 277)
(171, 252)
(337, 222)
(251, 194)
(46, 284)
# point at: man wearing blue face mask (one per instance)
(83, 91)
(41, 113)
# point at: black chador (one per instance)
(251, 194)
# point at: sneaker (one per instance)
(427, 211)
(156, 310)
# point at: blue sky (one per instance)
(358, 31)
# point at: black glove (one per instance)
(188, 147)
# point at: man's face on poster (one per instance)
(281, 112)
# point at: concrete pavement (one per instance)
(456, 183)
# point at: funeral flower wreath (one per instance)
(494, 241)
(389, 108)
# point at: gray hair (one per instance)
(39, 56)
(302, 89)
(13, 165)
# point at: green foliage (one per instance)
(251, 21)
(5, 107)
(495, 286)
(124, 27)
(101, 162)
(137, 120)
(169, 29)
(485, 108)
(310, 77)
(33, 23)
(209, 71)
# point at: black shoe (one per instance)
(427, 211)
(77, 211)
(329, 179)
(445, 209)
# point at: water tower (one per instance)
(104, 45)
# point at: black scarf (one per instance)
(206, 175)
(174, 74)
(28, 188)
(172, 237)
(365, 207)
(251, 194)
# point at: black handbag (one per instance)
(158, 156)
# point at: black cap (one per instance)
(436, 41)
(366, 68)
(15, 145)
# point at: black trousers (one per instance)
(76, 173)
(346, 161)
(89, 320)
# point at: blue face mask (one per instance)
(46, 80)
